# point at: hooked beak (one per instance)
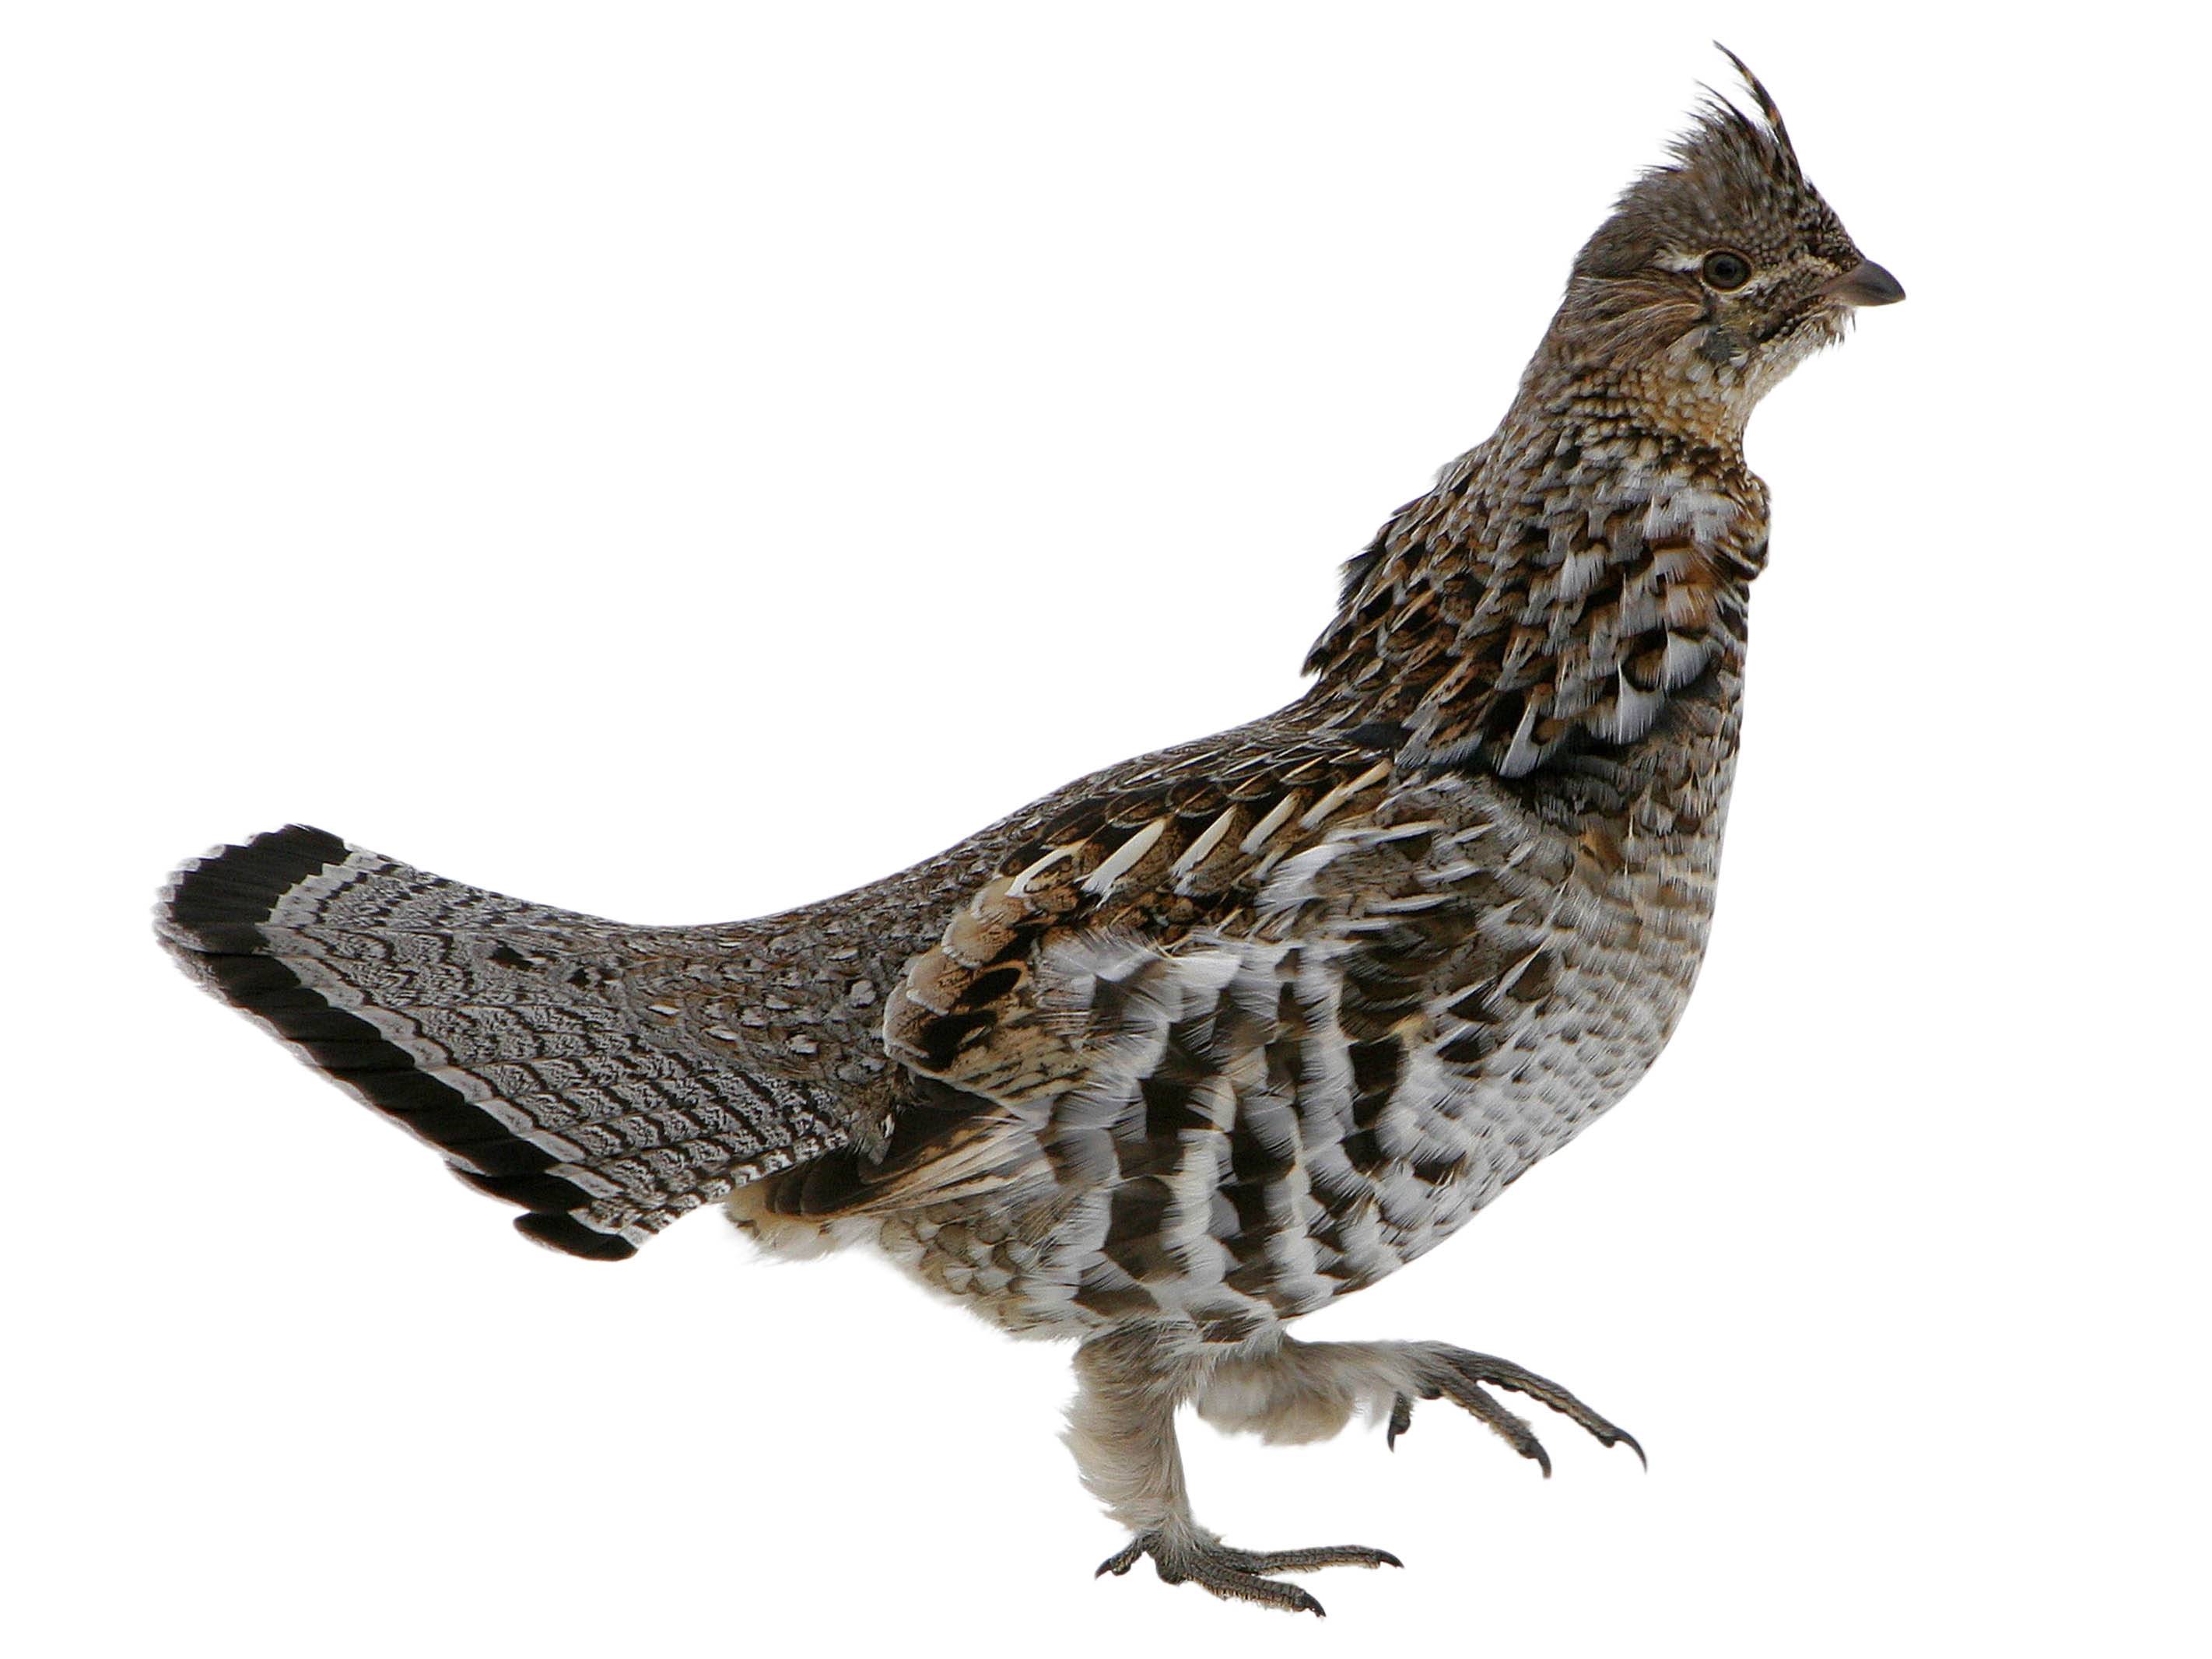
(1866, 284)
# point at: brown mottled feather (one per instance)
(1197, 1044)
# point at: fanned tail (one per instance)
(500, 1031)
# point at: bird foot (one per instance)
(1454, 1374)
(1237, 1575)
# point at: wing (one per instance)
(1207, 1025)
(996, 1008)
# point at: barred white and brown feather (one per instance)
(508, 1034)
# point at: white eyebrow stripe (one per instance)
(1762, 277)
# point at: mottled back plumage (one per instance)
(1207, 1039)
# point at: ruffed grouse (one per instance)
(1205, 1039)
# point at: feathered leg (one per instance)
(1122, 1429)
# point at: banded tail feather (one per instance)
(503, 1033)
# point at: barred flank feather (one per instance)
(503, 1033)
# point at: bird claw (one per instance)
(1237, 1575)
(1401, 1419)
(1123, 1560)
(1456, 1374)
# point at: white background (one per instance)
(676, 462)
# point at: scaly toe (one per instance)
(1483, 1406)
(1233, 1586)
(1123, 1560)
(1339, 1555)
(1237, 1575)
(1462, 1372)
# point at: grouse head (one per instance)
(1716, 274)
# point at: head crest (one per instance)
(1719, 115)
(1732, 178)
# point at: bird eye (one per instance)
(1725, 269)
